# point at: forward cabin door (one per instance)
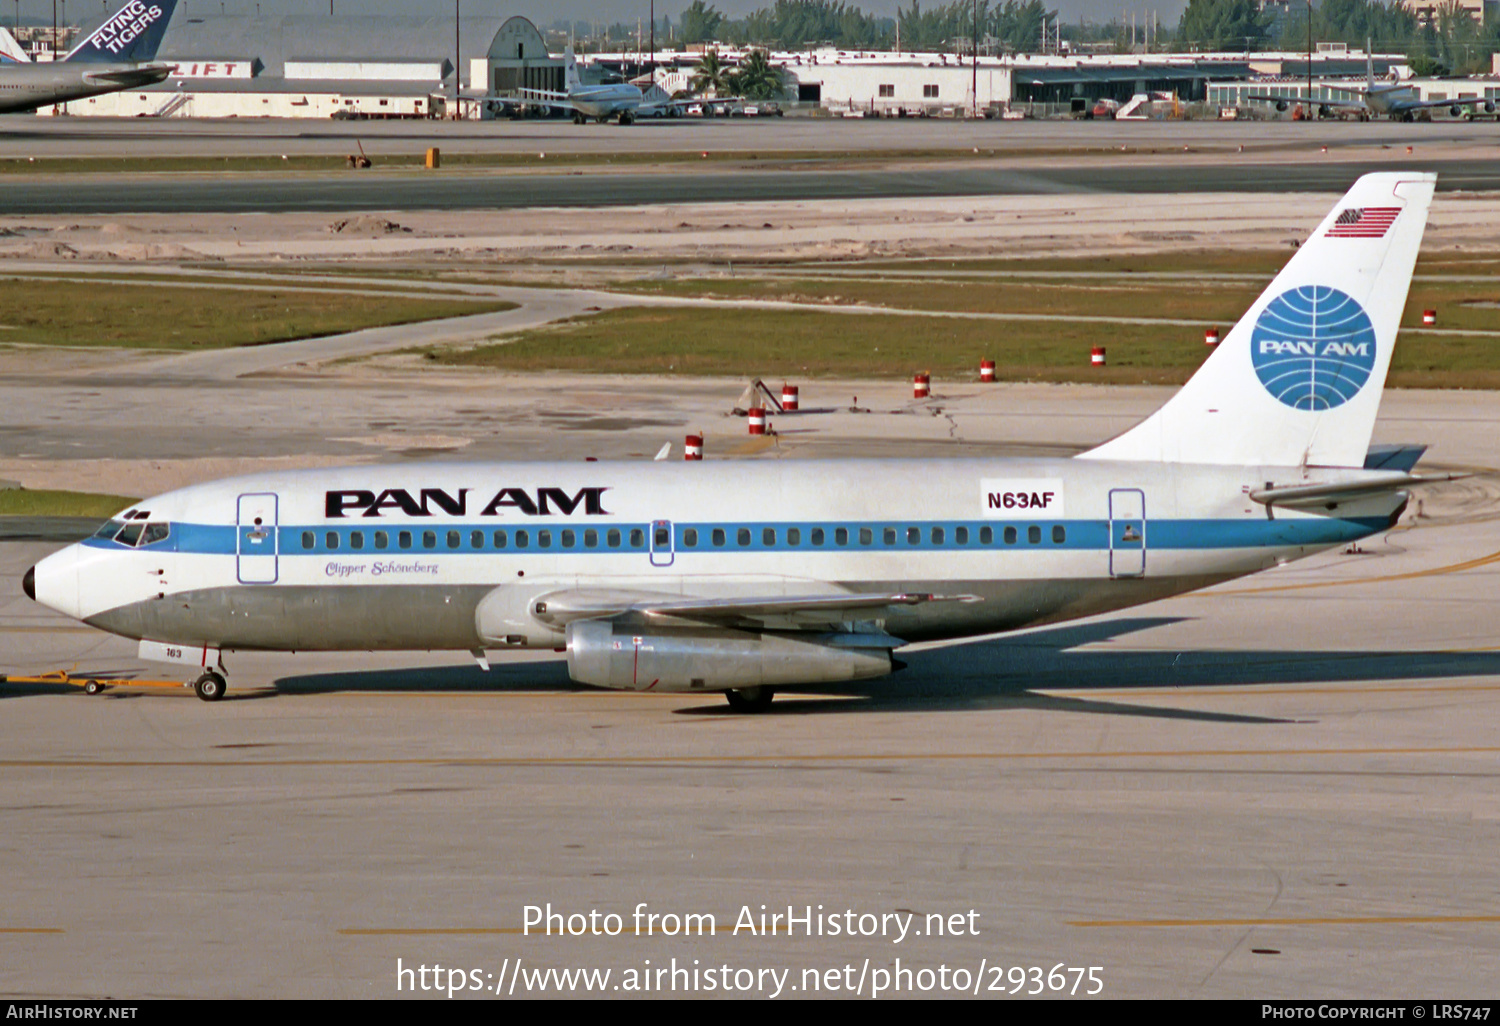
(1127, 532)
(256, 538)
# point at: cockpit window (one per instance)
(135, 533)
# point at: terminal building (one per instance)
(393, 67)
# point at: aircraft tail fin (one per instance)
(1298, 380)
(570, 62)
(10, 50)
(1370, 61)
(130, 35)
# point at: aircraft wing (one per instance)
(1272, 98)
(791, 612)
(545, 98)
(1469, 101)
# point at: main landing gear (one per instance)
(750, 700)
(211, 686)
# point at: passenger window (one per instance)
(768, 536)
(544, 539)
(356, 539)
(429, 539)
(1010, 536)
(523, 539)
(130, 533)
(155, 533)
(1059, 534)
(637, 538)
(889, 535)
(309, 539)
(1033, 535)
(569, 539)
(816, 536)
(404, 539)
(591, 539)
(382, 540)
(986, 536)
(499, 539)
(689, 537)
(913, 536)
(454, 539)
(476, 539)
(937, 536)
(612, 538)
(793, 536)
(331, 541)
(841, 536)
(742, 536)
(866, 536)
(718, 536)
(961, 536)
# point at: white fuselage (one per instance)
(456, 556)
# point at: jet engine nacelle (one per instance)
(1489, 106)
(1455, 110)
(1281, 105)
(622, 656)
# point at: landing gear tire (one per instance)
(578, 118)
(627, 118)
(750, 700)
(93, 687)
(211, 686)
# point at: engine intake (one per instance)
(717, 659)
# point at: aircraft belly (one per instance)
(302, 618)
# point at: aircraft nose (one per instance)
(28, 584)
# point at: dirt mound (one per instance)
(366, 224)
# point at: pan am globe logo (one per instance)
(1313, 348)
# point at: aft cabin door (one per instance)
(662, 551)
(255, 539)
(1127, 532)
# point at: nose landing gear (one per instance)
(211, 686)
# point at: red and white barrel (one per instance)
(789, 397)
(921, 385)
(757, 421)
(1096, 356)
(692, 449)
(1429, 317)
(1211, 337)
(987, 370)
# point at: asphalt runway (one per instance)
(1282, 787)
(250, 194)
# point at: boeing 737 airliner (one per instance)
(743, 576)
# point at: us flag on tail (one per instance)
(1363, 223)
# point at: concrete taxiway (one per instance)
(1281, 787)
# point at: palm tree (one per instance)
(711, 74)
(757, 78)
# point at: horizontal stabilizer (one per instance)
(1310, 495)
(1393, 457)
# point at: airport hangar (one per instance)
(393, 67)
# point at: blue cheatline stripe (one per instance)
(785, 536)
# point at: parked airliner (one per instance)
(112, 58)
(745, 576)
(1396, 100)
